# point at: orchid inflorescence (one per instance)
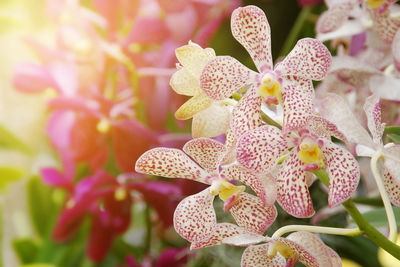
(269, 132)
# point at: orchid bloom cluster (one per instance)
(268, 132)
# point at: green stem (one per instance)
(362, 223)
(147, 241)
(269, 120)
(317, 229)
(292, 37)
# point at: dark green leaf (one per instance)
(25, 249)
(378, 218)
(395, 138)
(392, 129)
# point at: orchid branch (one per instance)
(386, 202)
(370, 231)
(317, 229)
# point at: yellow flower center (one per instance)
(310, 153)
(103, 126)
(375, 4)
(284, 250)
(270, 90)
(227, 191)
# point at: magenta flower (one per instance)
(289, 83)
(303, 151)
(195, 218)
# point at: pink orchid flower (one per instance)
(299, 246)
(195, 218)
(368, 144)
(289, 83)
(311, 148)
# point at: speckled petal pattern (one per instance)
(256, 256)
(292, 189)
(309, 59)
(343, 171)
(251, 29)
(223, 76)
(206, 152)
(264, 186)
(194, 217)
(298, 104)
(170, 163)
(384, 25)
(260, 149)
(372, 109)
(323, 128)
(247, 113)
(251, 213)
(334, 17)
(392, 188)
(222, 231)
(392, 161)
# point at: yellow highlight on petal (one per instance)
(50, 93)
(229, 192)
(375, 4)
(270, 88)
(284, 250)
(103, 126)
(120, 194)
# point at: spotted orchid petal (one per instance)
(170, 163)
(298, 104)
(247, 113)
(343, 171)
(384, 25)
(323, 128)
(309, 59)
(193, 106)
(193, 58)
(184, 83)
(256, 256)
(335, 109)
(392, 187)
(221, 232)
(260, 149)
(292, 189)
(251, 213)
(206, 152)
(195, 218)
(211, 122)
(392, 161)
(263, 185)
(230, 145)
(251, 29)
(310, 249)
(335, 16)
(372, 109)
(224, 75)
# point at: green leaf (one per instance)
(378, 218)
(38, 265)
(40, 205)
(394, 137)
(9, 141)
(25, 249)
(392, 129)
(9, 175)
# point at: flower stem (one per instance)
(386, 202)
(269, 120)
(362, 223)
(296, 29)
(317, 229)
